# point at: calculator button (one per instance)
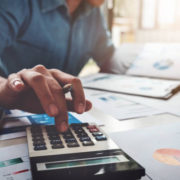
(37, 134)
(82, 135)
(84, 139)
(41, 147)
(39, 143)
(38, 138)
(87, 143)
(72, 144)
(97, 134)
(84, 124)
(35, 127)
(77, 126)
(54, 138)
(101, 138)
(68, 136)
(53, 133)
(36, 130)
(77, 131)
(67, 132)
(70, 140)
(57, 146)
(74, 125)
(94, 130)
(56, 141)
(50, 128)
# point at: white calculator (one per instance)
(83, 152)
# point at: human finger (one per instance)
(70, 105)
(62, 125)
(77, 89)
(61, 120)
(38, 83)
(42, 69)
(57, 92)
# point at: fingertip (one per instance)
(62, 127)
(80, 108)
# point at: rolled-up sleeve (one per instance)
(109, 58)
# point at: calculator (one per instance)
(84, 151)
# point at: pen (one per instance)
(67, 88)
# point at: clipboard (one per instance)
(139, 86)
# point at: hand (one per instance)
(39, 90)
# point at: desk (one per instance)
(128, 52)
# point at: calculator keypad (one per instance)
(76, 136)
(37, 138)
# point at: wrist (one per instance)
(3, 93)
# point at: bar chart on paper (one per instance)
(14, 164)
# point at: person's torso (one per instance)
(50, 38)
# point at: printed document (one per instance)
(140, 86)
(142, 144)
(14, 163)
(159, 60)
(119, 107)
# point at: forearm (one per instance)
(117, 64)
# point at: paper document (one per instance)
(14, 128)
(88, 118)
(14, 163)
(171, 105)
(156, 148)
(140, 86)
(118, 106)
(158, 60)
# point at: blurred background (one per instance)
(140, 21)
(145, 21)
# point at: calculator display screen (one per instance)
(84, 162)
